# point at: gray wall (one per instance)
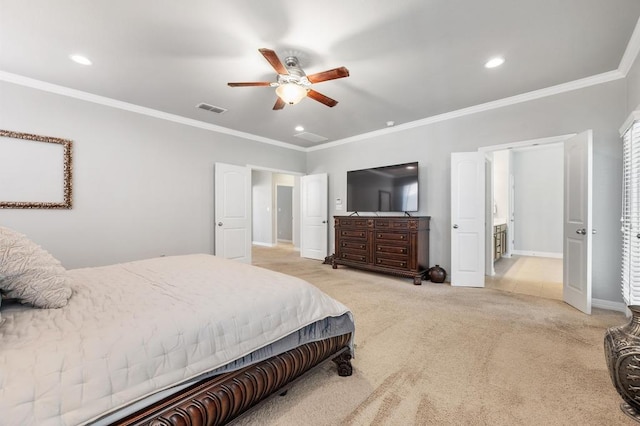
(284, 180)
(284, 213)
(539, 200)
(633, 87)
(142, 186)
(601, 108)
(262, 207)
(501, 170)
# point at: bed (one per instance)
(191, 339)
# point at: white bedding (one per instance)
(132, 329)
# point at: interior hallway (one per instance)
(535, 276)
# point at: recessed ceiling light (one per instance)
(494, 62)
(82, 60)
(299, 129)
(390, 123)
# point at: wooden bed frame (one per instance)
(221, 398)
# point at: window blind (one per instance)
(631, 215)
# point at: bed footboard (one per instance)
(220, 399)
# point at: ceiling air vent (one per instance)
(311, 137)
(212, 108)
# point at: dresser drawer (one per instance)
(354, 257)
(353, 245)
(400, 223)
(392, 262)
(397, 237)
(393, 249)
(353, 233)
(354, 222)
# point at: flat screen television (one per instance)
(383, 189)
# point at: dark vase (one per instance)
(437, 274)
(622, 352)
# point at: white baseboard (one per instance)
(258, 243)
(537, 254)
(607, 304)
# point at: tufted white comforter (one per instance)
(132, 329)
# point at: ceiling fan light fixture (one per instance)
(291, 93)
(292, 83)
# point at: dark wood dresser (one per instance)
(392, 244)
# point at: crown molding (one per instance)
(114, 103)
(631, 52)
(512, 100)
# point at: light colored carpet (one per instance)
(437, 355)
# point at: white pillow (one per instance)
(29, 273)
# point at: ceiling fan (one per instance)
(292, 84)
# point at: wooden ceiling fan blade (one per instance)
(250, 84)
(279, 104)
(316, 96)
(273, 59)
(328, 75)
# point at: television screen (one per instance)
(383, 189)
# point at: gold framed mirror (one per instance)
(35, 171)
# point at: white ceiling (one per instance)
(408, 59)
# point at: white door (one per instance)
(467, 219)
(313, 238)
(233, 212)
(577, 221)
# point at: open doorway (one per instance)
(526, 238)
(275, 205)
(468, 218)
(308, 213)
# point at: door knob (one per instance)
(219, 223)
(581, 231)
(324, 221)
(455, 226)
